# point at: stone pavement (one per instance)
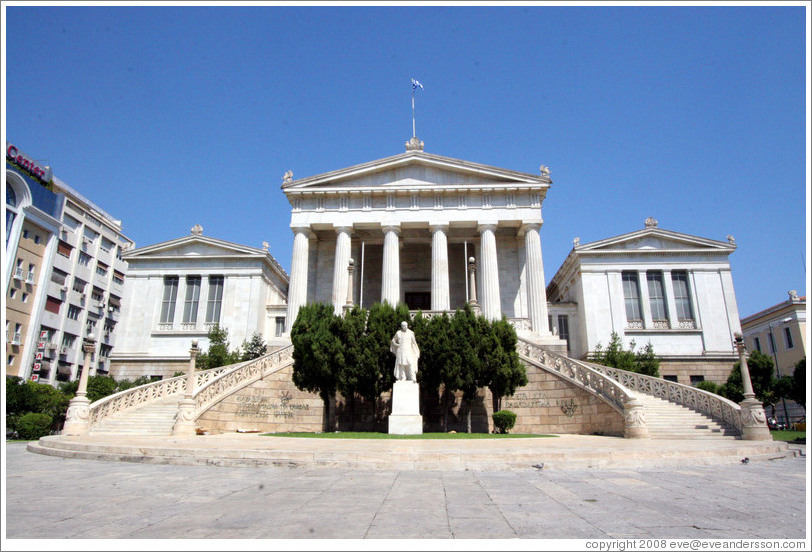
(52, 497)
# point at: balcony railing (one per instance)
(190, 327)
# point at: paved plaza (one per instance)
(52, 497)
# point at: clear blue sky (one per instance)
(171, 116)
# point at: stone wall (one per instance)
(546, 405)
(716, 371)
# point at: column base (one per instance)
(185, 419)
(754, 421)
(77, 418)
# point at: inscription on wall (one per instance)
(526, 399)
(262, 408)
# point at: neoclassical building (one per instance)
(177, 290)
(410, 223)
(656, 286)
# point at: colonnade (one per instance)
(490, 300)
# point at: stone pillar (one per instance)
(77, 418)
(185, 417)
(491, 302)
(534, 269)
(390, 277)
(472, 286)
(297, 288)
(342, 257)
(754, 421)
(350, 269)
(634, 416)
(440, 287)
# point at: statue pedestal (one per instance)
(405, 418)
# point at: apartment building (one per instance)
(64, 275)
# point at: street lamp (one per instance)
(774, 347)
(754, 423)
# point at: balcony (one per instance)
(30, 278)
(18, 273)
(15, 338)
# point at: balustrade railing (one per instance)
(229, 381)
(715, 406)
(578, 373)
(155, 391)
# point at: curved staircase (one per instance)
(668, 420)
(155, 418)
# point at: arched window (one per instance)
(11, 201)
(11, 195)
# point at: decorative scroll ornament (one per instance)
(78, 413)
(197, 230)
(568, 408)
(651, 222)
(636, 417)
(753, 417)
(288, 177)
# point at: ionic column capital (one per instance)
(394, 227)
(485, 226)
(343, 229)
(302, 229)
(529, 225)
(438, 227)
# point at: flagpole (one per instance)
(414, 133)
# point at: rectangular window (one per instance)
(631, 295)
(671, 378)
(73, 312)
(697, 379)
(280, 325)
(170, 296)
(215, 299)
(656, 296)
(192, 299)
(97, 294)
(757, 344)
(681, 296)
(118, 277)
(771, 341)
(59, 276)
(68, 340)
(564, 328)
(79, 285)
(52, 305)
(70, 222)
(101, 269)
(64, 249)
(84, 259)
(106, 244)
(788, 338)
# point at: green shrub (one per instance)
(708, 386)
(34, 425)
(504, 420)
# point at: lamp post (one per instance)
(774, 347)
(185, 418)
(77, 417)
(754, 422)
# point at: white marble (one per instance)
(405, 418)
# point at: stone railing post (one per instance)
(185, 418)
(472, 286)
(77, 418)
(634, 416)
(754, 421)
(350, 270)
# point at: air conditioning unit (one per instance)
(64, 288)
(111, 309)
(53, 346)
(100, 304)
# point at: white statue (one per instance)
(406, 352)
(288, 177)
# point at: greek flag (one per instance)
(415, 84)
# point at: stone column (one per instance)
(754, 421)
(342, 257)
(440, 287)
(534, 269)
(297, 288)
(77, 418)
(350, 269)
(491, 302)
(185, 417)
(390, 277)
(634, 416)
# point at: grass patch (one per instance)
(789, 436)
(378, 435)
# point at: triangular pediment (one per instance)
(655, 240)
(415, 169)
(194, 246)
